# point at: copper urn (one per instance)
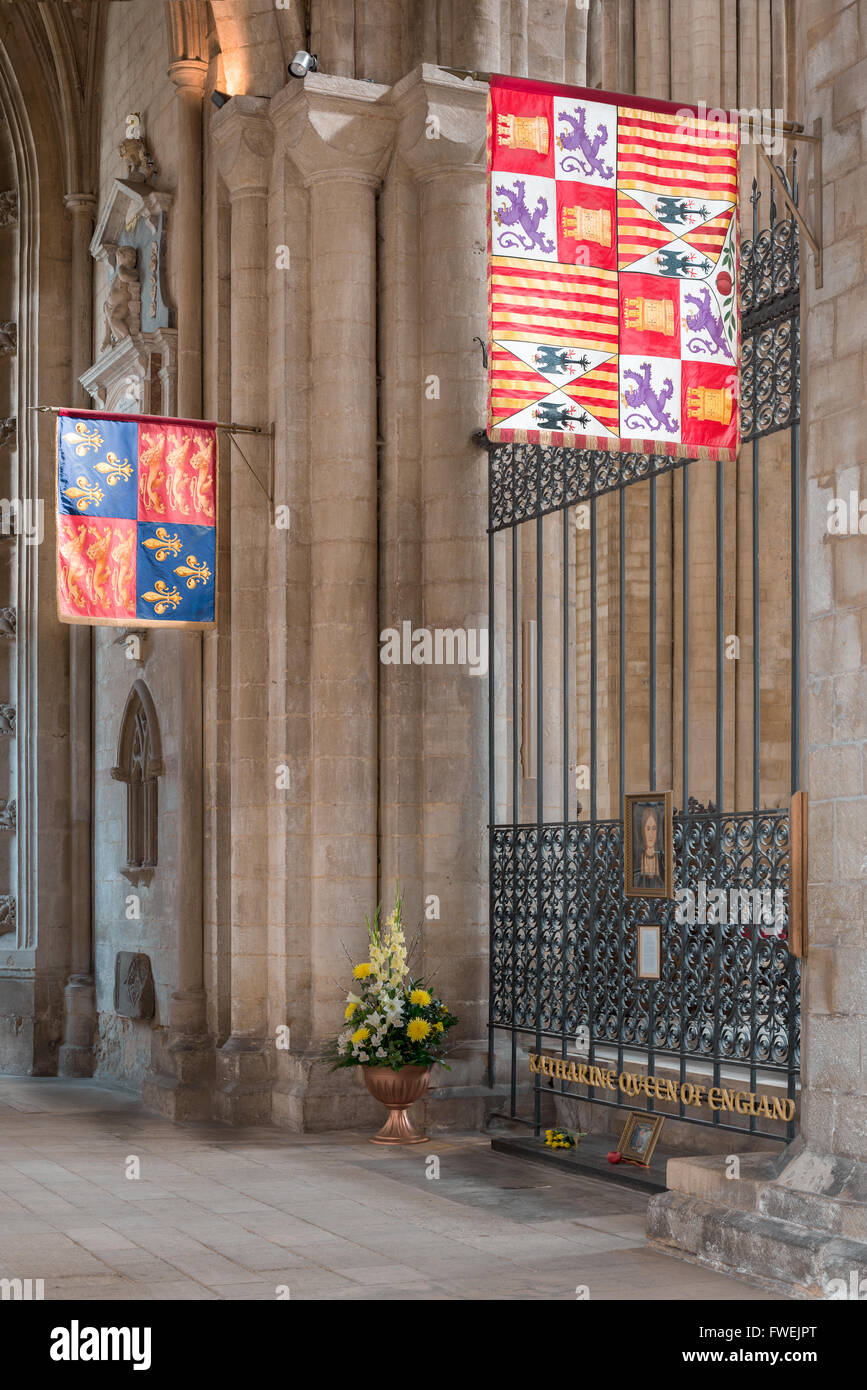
(397, 1090)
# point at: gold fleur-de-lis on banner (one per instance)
(164, 598)
(86, 493)
(82, 439)
(114, 470)
(163, 544)
(199, 573)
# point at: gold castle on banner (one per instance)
(523, 133)
(635, 1084)
(709, 403)
(654, 315)
(587, 224)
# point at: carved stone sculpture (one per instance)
(8, 338)
(8, 432)
(133, 986)
(123, 294)
(8, 622)
(8, 815)
(8, 208)
(7, 720)
(133, 150)
(7, 914)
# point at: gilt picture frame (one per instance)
(648, 845)
(640, 1136)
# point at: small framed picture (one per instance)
(639, 1137)
(648, 845)
(649, 937)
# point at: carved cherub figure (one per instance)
(123, 289)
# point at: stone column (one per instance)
(450, 174)
(188, 76)
(76, 1051)
(177, 1084)
(242, 138)
(188, 999)
(834, 410)
(797, 1221)
(337, 133)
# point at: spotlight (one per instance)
(220, 98)
(303, 63)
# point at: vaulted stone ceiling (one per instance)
(64, 40)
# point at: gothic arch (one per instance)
(139, 764)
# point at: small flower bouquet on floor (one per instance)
(562, 1138)
(392, 1020)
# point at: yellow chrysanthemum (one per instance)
(350, 1010)
(362, 971)
(438, 1027)
(419, 996)
(418, 1029)
(361, 1035)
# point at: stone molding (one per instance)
(189, 72)
(335, 127)
(126, 202)
(122, 379)
(83, 203)
(442, 124)
(243, 140)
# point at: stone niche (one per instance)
(136, 371)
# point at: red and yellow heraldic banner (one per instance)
(136, 520)
(612, 273)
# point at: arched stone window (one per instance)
(139, 764)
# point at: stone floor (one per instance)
(218, 1213)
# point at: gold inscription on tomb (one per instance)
(634, 1084)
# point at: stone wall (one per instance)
(798, 1221)
(135, 78)
(834, 86)
(342, 269)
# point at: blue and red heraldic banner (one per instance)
(136, 520)
(612, 273)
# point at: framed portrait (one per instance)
(649, 948)
(648, 842)
(639, 1137)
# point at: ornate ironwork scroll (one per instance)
(563, 958)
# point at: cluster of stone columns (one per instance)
(392, 183)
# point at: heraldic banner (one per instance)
(612, 273)
(136, 520)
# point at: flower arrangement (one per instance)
(392, 1020)
(560, 1139)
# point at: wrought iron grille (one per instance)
(562, 946)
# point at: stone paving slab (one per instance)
(224, 1214)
